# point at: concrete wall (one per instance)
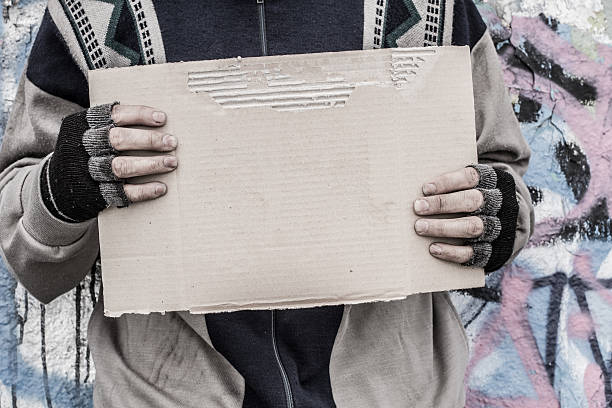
(541, 331)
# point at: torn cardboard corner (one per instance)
(295, 183)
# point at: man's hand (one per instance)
(89, 168)
(484, 202)
(124, 139)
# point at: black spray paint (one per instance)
(536, 194)
(557, 283)
(574, 166)
(43, 357)
(528, 110)
(595, 225)
(538, 63)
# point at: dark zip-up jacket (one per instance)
(408, 353)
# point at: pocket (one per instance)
(456, 318)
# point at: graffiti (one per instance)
(540, 331)
(547, 337)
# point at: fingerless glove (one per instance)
(77, 181)
(499, 214)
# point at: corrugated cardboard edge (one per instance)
(297, 304)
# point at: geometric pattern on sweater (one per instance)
(125, 48)
(397, 24)
(115, 33)
(406, 23)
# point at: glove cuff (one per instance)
(499, 214)
(72, 177)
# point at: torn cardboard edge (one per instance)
(295, 183)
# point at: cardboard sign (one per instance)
(296, 180)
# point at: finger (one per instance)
(452, 253)
(144, 192)
(133, 166)
(465, 227)
(128, 115)
(123, 139)
(453, 181)
(457, 202)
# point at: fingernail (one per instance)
(421, 206)
(161, 189)
(159, 116)
(170, 141)
(429, 188)
(421, 226)
(435, 249)
(170, 161)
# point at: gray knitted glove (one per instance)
(77, 181)
(499, 215)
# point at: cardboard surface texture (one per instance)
(296, 180)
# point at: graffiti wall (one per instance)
(541, 331)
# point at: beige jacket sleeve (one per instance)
(499, 139)
(46, 255)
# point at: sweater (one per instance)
(411, 352)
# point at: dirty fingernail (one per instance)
(160, 189)
(421, 226)
(429, 188)
(170, 141)
(421, 206)
(435, 249)
(159, 116)
(170, 161)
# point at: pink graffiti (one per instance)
(584, 269)
(593, 388)
(592, 126)
(512, 317)
(580, 325)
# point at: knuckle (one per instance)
(143, 113)
(139, 194)
(455, 253)
(152, 140)
(471, 176)
(157, 140)
(474, 227)
(442, 228)
(116, 137)
(116, 115)
(438, 203)
(442, 183)
(468, 253)
(154, 165)
(120, 167)
(474, 199)
(445, 203)
(477, 199)
(445, 252)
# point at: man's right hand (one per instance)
(87, 172)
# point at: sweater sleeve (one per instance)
(499, 140)
(48, 256)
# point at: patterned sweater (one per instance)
(411, 352)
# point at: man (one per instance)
(61, 165)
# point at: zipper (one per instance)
(262, 27)
(281, 368)
(261, 7)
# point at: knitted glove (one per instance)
(499, 215)
(77, 181)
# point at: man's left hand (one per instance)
(451, 193)
(484, 202)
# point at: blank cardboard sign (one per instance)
(295, 183)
